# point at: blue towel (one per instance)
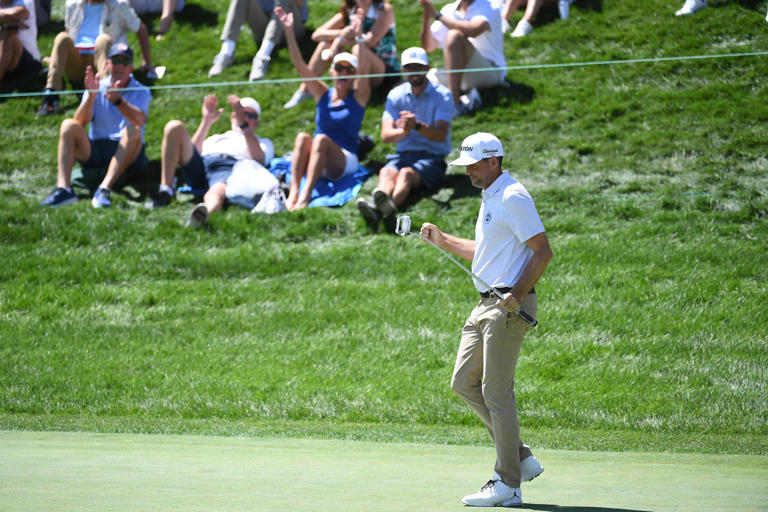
(326, 192)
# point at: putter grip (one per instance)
(527, 318)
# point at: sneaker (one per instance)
(101, 198)
(522, 29)
(468, 103)
(220, 61)
(691, 6)
(59, 197)
(564, 6)
(495, 494)
(162, 200)
(297, 98)
(530, 468)
(259, 67)
(271, 202)
(474, 99)
(384, 203)
(369, 212)
(50, 104)
(198, 217)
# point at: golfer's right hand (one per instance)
(431, 233)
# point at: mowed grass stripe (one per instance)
(104, 472)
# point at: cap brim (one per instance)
(464, 160)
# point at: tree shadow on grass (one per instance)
(568, 508)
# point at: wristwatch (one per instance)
(438, 15)
(418, 126)
(118, 101)
(359, 39)
(244, 125)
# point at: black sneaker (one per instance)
(162, 200)
(50, 104)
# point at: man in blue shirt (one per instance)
(115, 138)
(417, 116)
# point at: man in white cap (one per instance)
(207, 162)
(417, 116)
(510, 252)
(115, 109)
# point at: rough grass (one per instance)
(650, 179)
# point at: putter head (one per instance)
(403, 226)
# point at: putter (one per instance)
(403, 228)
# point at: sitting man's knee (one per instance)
(173, 126)
(68, 125)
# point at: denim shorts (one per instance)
(202, 172)
(430, 166)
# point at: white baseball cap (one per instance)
(251, 103)
(414, 55)
(345, 57)
(477, 147)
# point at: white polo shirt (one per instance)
(507, 219)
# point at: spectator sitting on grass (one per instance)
(206, 161)
(18, 38)
(91, 28)
(115, 138)
(417, 116)
(332, 151)
(266, 30)
(469, 32)
(167, 7)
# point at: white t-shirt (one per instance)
(233, 143)
(507, 219)
(28, 36)
(490, 43)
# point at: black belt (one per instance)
(222, 156)
(489, 293)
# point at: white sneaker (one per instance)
(691, 6)
(259, 68)
(297, 98)
(495, 494)
(504, 26)
(530, 469)
(271, 202)
(522, 29)
(198, 217)
(220, 61)
(384, 203)
(468, 103)
(564, 6)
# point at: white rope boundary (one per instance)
(399, 74)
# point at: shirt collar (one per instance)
(497, 186)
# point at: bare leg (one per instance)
(510, 8)
(458, 50)
(169, 6)
(326, 156)
(10, 52)
(177, 149)
(531, 9)
(299, 162)
(387, 180)
(215, 197)
(73, 143)
(127, 151)
(408, 179)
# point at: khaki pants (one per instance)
(484, 377)
(264, 26)
(475, 79)
(67, 61)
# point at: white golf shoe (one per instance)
(495, 494)
(691, 6)
(530, 468)
(522, 29)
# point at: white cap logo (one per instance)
(478, 147)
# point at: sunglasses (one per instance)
(342, 68)
(119, 59)
(251, 115)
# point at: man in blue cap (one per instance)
(116, 108)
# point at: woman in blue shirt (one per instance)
(332, 151)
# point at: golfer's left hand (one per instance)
(509, 302)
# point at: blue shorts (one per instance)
(202, 172)
(431, 167)
(102, 151)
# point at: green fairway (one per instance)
(83, 471)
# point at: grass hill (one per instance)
(650, 178)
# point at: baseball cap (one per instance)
(251, 103)
(414, 55)
(120, 49)
(345, 57)
(477, 147)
